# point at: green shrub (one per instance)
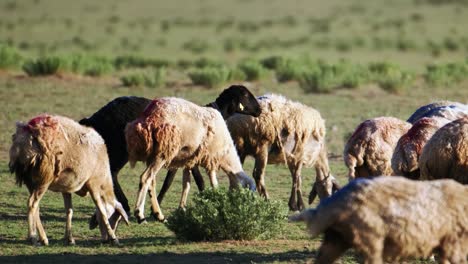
(446, 74)
(209, 76)
(237, 74)
(288, 70)
(131, 61)
(87, 65)
(390, 77)
(42, 66)
(206, 62)
(9, 57)
(272, 62)
(252, 69)
(150, 79)
(218, 214)
(323, 78)
(196, 46)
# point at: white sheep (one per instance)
(58, 154)
(286, 132)
(368, 152)
(445, 155)
(175, 133)
(392, 218)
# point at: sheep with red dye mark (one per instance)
(368, 152)
(445, 109)
(392, 219)
(175, 133)
(111, 119)
(409, 147)
(445, 155)
(286, 132)
(58, 154)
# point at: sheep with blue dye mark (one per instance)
(58, 154)
(445, 155)
(175, 133)
(369, 150)
(392, 219)
(286, 132)
(439, 108)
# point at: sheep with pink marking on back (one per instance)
(368, 152)
(174, 133)
(58, 154)
(286, 132)
(445, 155)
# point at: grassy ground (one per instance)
(362, 31)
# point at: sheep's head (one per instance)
(116, 213)
(324, 188)
(237, 99)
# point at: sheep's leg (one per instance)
(214, 179)
(67, 200)
(155, 208)
(166, 184)
(261, 160)
(34, 219)
(104, 218)
(119, 194)
(333, 246)
(145, 181)
(185, 187)
(295, 200)
(198, 178)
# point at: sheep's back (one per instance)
(446, 154)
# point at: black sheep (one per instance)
(110, 122)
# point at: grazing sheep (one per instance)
(368, 152)
(409, 147)
(56, 153)
(111, 119)
(286, 132)
(175, 133)
(445, 155)
(392, 218)
(433, 109)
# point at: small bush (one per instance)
(9, 57)
(196, 46)
(446, 74)
(209, 76)
(390, 77)
(252, 69)
(237, 74)
(218, 214)
(324, 78)
(272, 62)
(288, 70)
(206, 62)
(150, 79)
(42, 66)
(131, 61)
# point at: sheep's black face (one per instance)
(238, 99)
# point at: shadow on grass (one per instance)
(166, 257)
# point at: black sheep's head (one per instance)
(238, 99)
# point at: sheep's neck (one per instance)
(223, 110)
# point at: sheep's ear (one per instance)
(121, 211)
(241, 107)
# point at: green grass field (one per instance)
(410, 34)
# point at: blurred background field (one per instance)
(352, 60)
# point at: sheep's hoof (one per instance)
(114, 242)
(36, 242)
(70, 241)
(159, 217)
(139, 219)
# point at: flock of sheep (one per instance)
(383, 218)
(390, 218)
